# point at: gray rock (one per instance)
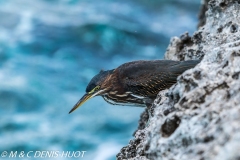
(198, 117)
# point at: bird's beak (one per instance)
(85, 97)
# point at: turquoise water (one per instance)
(50, 49)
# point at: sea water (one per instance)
(49, 51)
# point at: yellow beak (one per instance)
(85, 97)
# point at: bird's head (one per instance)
(97, 86)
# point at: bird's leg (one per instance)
(148, 103)
(149, 108)
(149, 114)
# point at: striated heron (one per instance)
(135, 83)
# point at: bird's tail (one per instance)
(183, 66)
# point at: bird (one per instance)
(135, 83)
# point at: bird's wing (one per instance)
(147, 78)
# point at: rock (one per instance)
(198, 117)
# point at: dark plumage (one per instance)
(135, 83)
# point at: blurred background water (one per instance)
(50, 49)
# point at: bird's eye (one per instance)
(94, 89)
(97, 88)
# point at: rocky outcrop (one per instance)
(198, 117)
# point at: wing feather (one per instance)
(147, 78)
